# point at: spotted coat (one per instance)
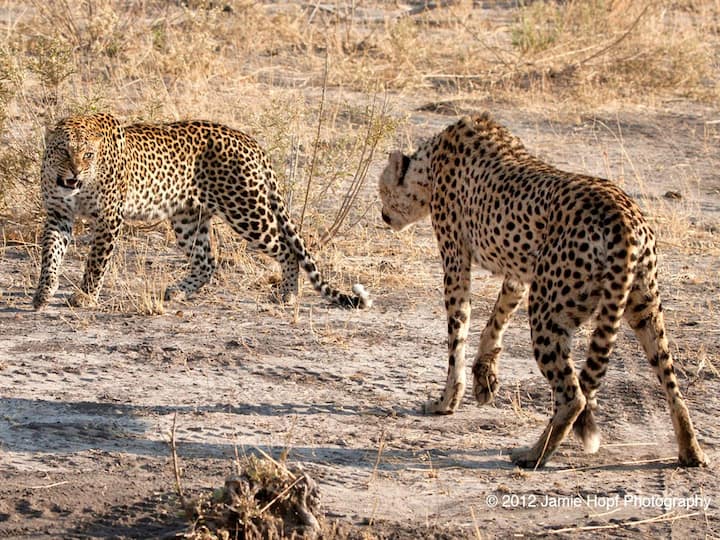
(185, 171)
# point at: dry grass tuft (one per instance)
(266, 500)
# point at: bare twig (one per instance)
(238, 467)
(176, 465)
(637, 462)
(618, 40)
(367, 152)
(277, 463)
(60, 18)
(611, 445)
(280, 495)
(48, 486)
(542, 454)
(495, 51)
(475, 525)
(316, 143)
(381, 447)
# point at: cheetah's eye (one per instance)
(88, 155)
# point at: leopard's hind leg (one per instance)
(262, 231)
(192, 230)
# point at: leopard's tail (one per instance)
(361, 298)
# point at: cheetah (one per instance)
(579, 244)
(186, 171)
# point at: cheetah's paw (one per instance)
(436, 406)
(485, 381)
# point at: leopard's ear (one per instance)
(50, 130)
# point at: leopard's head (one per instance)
(73, 150)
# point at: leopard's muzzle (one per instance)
(70, 183)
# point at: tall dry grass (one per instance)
(603, 49)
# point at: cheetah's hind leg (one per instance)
(552, 436)
(646, 318)
(586, 430)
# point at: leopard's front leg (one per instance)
(55, 240)
(105, 237)
(457, 264)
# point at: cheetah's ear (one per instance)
(399, 163)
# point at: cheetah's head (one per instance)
(405, 190)
(72, 150)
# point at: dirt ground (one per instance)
(88, 397)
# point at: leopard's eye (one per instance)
(88, 155)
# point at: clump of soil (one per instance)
(265, 500)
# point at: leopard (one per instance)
(186, 172)
(577, 247)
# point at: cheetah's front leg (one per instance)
(107, 232)
(457, 304)
(55, 240)
(485, 380)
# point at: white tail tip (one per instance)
(591, 442)
(365, 300)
